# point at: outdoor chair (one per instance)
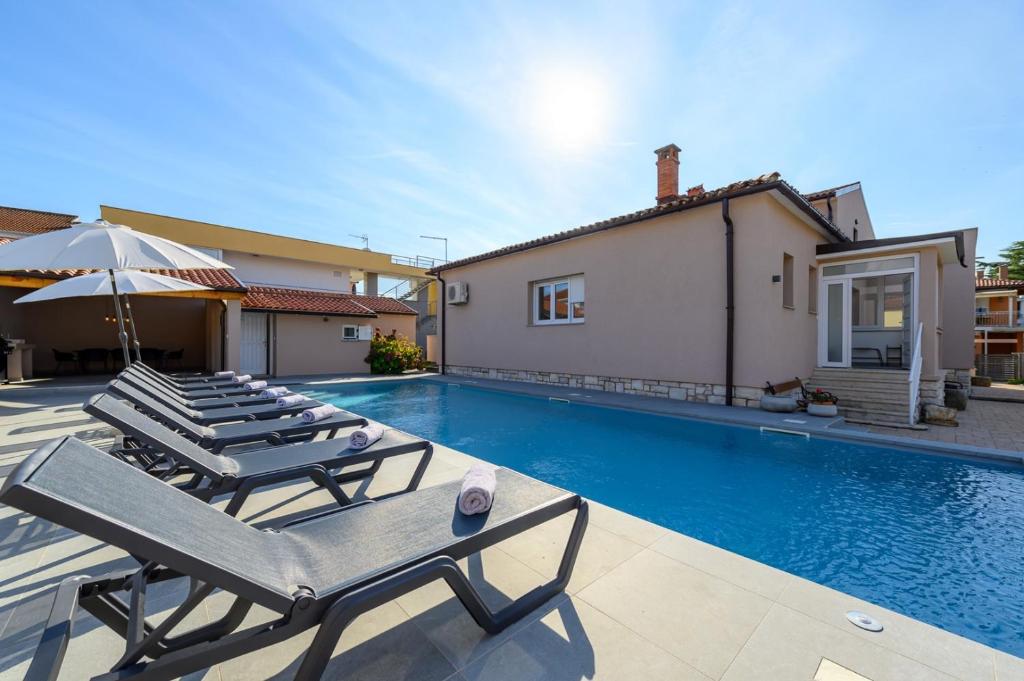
(142, 381)
(62, 358)
(209, 416)
(321, 571)
(88, 356)
(152, 355)
(273, 431)
(166, 455)
(175, 357)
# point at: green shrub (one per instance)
(393, 354)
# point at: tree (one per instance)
(1012, 256)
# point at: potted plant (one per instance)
(822, 403)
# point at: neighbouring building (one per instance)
(999, 324)
(287, 307)
(708, 294)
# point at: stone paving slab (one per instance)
(645, 603)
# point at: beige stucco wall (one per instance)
(655, 301)
(849, 212)
(852, 213)
(68, 325)
(958, 308)
(309, 345)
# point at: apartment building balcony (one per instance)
(997, 319)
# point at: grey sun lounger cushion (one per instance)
(216, 474)
(212, 416)
(324, 570)
(141, 381)
(216, 438)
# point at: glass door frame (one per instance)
(846, 280)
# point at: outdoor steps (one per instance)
(879, 396)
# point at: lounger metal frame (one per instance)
(202, 647)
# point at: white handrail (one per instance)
(914, 379)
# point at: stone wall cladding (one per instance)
(710, 393)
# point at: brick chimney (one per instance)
(668, 173)
(1004, 271)
(695, 191)
(980, 274)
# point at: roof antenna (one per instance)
(365, 238)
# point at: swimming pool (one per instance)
(936, 538)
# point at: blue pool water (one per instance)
(936, 538)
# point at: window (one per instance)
(350, 332)
(559, 301)
(869, 266)
(812, 289)
(787, 280)
(882, 302)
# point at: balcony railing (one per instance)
(420, 261)
(995, 319)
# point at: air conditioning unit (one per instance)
(457, 293)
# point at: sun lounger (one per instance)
(138, 380)
(319, 572)
(163, 453)
(216, 438)
(209, 417)
(200, 381)
(198, 392)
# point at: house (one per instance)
(708, 294)
(999, 321)
(287, 307)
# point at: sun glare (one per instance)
(568, 108)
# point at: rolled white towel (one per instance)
(224, 374)
(477, 492)
(324, 411)
(289, 401)
(255, 385)
(361, 438)
(278, 391)
(244, 378)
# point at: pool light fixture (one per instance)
(864, 621)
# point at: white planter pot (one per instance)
(815, 409)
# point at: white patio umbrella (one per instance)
(102, 245)
(99, 284)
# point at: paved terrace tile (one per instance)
(644, 603)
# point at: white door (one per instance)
(834, 324)
(254, 343)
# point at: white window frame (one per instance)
(535, 303)
(355, 332)
(847, 281)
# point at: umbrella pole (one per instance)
(121, 334)
(131, 325)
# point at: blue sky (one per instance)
(492, 123)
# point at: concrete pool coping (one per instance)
(644, 602)
(798, 422)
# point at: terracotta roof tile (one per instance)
(278, 299)
(25, 221)
(762, 183)
(219, 280)
(998, 283)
